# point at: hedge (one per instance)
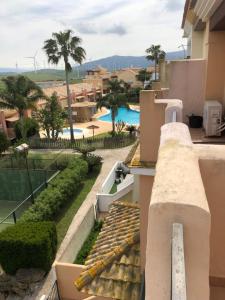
(26, 245)
(48, 204)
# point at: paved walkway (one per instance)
(110, 156)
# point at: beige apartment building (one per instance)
(168, 241)
(103, 76)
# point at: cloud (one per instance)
(97, 28)
(86, 28)
(101, 24)
(174, 5)
(104, 8)
(116, 29)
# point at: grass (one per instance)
(113, 189)
(68, 212)
(88, 244)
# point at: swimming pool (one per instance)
(128, 116)
(75, 130)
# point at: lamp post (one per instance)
(23, 150)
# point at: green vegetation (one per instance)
(30, 245)
(28, 125)
(65, 46)
(32, 242)
(154, 53)
(67, 213)
(113, 189)
(144, 75)
(89, 243)
(133, 95)
(49, 203)
(115, 99)
(45, 75)
(20, 93)
(131, 129)
(52, 117)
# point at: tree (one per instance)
(20, 93)
(115, 99)
(64, 45)
(144, 75)
(29, 125)
(4, 143)
(155, 54)
(52, 117)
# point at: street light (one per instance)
(23, 150)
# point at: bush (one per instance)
(48, 204)
(31, 127)
(28, 245)
(63, 160)
(4, 143)
(93, 161)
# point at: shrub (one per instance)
(85, 149)
(93, 161)
(63, 161)
(48, 204)
(30, 125)
(4, 143)
(28, 245)
(130, 129)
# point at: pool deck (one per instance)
(103, 126)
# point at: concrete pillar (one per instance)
(152, 118)
(145, 190)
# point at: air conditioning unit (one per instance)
(212, 117)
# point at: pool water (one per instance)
(129, 116)
(75, 130)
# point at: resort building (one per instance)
(83, 97)
(103, 75)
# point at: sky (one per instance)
(112, 27)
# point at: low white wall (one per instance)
(129, 179)
(84, 223)
(105, 200)
(110, 179)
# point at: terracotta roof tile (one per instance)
(113, 265)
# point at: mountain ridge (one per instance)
(110, 62)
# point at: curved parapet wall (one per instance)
(178, 196)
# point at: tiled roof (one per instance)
(113, 265)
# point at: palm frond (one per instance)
(78, 54)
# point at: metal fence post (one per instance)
(14, 217)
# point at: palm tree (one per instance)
(155, 54)
(115, 99)
(20, 93)
(64, 45)
(143, 76)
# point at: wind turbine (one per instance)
(34, 61)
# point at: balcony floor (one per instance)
(217, 293)
(198, 136)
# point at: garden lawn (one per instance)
(68, 212)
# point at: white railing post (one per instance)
(178, 264)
